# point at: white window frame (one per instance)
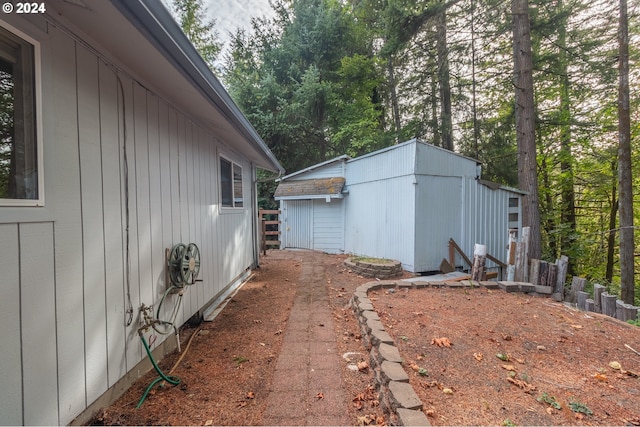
(37, 77)
(234, 166)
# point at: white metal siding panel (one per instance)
(328, 225)
(393, 162)
(433, 160)
(297, 224)
(379, 219)
(328, 171)
(37, 308)
(10, 360)
(438, 218)
(487, 213)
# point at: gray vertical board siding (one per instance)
(111, 155)
(164, 167)
(63, 200)
(77, 345)
(131, 253)
(10, 351)
(155, 202)
(93, 246)
(37, 308)
(328, 225)
(142, 182)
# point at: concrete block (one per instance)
(393, 371)
(526, 287)
(489, 285)
(378, 337)
(368, 314)
(419, 284)
(362, 306)
(544, 290)
(509, 286)
(404, 396)
(411, 417)
(389, 352)
(374, 325)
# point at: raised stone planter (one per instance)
(379, 270)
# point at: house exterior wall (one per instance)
(116, 156)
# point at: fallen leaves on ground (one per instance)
(528, 388)
(363, 366)
(441, 342)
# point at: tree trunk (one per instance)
(611, 236)
(443, 80)
(568, 208)
(624, 163)
(525, 122)
(394, 98)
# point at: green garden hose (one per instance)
(170, 379)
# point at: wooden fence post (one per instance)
(597, 297)
(479, 261)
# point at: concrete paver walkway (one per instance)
(307, 387)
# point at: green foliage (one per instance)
(550, 400)
(201, 31)
(580, 408)
(316, 82)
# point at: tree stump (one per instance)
(582, 299)
(608, 304)
(597, 297)
(563, 265)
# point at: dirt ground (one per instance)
(552, 353)
(227, 371)
(487, 357)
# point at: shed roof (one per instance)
(310, 188)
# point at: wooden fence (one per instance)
(270, 226)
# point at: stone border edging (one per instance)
(380, 270)
(397, 396)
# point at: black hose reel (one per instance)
(183, 264)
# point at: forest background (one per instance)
(323, 78)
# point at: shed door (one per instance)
(298, 224)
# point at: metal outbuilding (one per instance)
(404, 202)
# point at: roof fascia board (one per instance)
(156, 23)
(312, 196)
(344, 157)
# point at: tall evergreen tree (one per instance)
(625, 184)
(525, 123)
(201, 31)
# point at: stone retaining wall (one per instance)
(380, 270)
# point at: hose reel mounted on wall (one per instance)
(184, 264)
